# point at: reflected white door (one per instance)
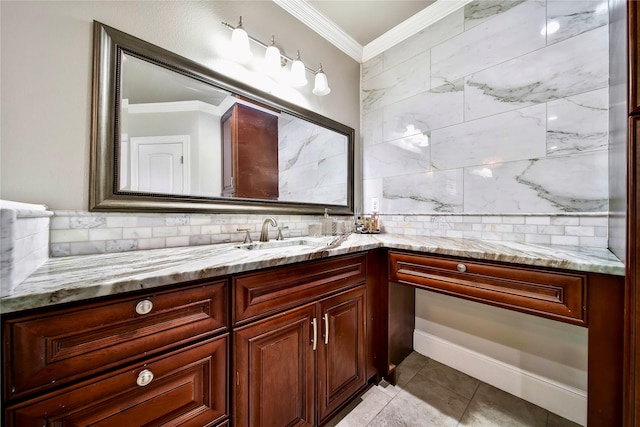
(160, 164)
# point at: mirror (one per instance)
(170, 135)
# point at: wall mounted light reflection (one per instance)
(275, 60)
(550, 28)
(272, 59)
(240, 43)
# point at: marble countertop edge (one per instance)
(78, 278)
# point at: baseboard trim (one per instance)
(561, 399)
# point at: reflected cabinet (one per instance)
(249, 153)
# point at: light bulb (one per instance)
(321, 87)
(298, 74)
(272, 59)
(240, 43)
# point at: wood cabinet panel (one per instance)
(188, 388)
(341, 351)
(274, 362)
(556, 295)
(250, 153)
(262, 293)
(633, 26)
(46, 350)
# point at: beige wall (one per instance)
(46, 68)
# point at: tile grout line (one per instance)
(466, 409)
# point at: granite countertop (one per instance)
(78, 278)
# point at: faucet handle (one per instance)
(279, 235)
(247, 236)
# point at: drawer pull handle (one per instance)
(461, 268)
(315, 333)
(144, 307)
(144, 378)
(326, 328)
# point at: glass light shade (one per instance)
(321, 87)
(272, 60)
(298, 75)
(240, 44)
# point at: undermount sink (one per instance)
(303, 243)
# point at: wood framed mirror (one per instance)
(170, 135)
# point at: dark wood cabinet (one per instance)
(556, 295)
(632, 297)
(274, 362)
(152, 358)
(590, 300)
(186, 387)
(341, 351)
(249, 153)
(300, 366)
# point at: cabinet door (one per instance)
(187, 387)
(341, 351)
(274, 363)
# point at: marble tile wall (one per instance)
(491, 112)
(312, 163)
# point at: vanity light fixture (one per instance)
(272, 58)
(321, 87)
(275, 60)
(240, 43)
(298, 74)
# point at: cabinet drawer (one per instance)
(188, 387)
(262, 293)
(59, 346)
(556, 295)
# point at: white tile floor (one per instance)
(429, 393)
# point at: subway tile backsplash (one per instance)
(82, 233)
(583, 230)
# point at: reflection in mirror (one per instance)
(170, 135)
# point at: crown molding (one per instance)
(427, 16)
(322, 25)
(318, 22)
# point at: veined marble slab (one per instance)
(400, 82)
(434, 34)
(514, 135)
(578, 123)
(429, 191)
(479, 11)
(79, 278)
(575, 17)
(578, 184)
(436, 108)
(579, 64)
(400, 157)
(508, 35)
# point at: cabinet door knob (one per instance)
(144, 377)
(461, 268)
(144, 306)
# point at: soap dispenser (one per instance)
(328, 226)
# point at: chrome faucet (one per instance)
(264, 234)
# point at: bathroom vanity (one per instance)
(223, 335)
